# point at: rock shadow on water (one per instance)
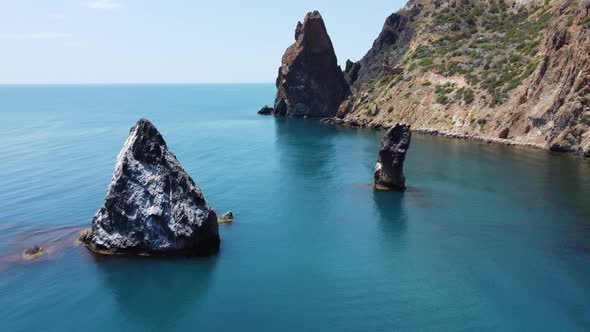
(156, 293)
(390, 210)
(412, 196)
(305, 146)
(392, 206)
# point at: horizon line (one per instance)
(137, 83)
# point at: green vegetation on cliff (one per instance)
(515, 70)
(494, 46)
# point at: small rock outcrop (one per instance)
(266, 110)
(310, 82)
(153, 207)
(33, 252)
(226, 217)
(389, 171)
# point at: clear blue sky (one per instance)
(169, 41)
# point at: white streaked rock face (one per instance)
(152, 205)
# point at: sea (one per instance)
(486, 238)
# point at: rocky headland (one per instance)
(153, 207)
(510, 72)
(501, 71)
(389, 170)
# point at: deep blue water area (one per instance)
(487, 237)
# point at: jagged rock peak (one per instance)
(310, 82)
(389, 171)
(152, 205)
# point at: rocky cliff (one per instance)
(389, 170)
(152, 206)
(513, 71)
(310, 82)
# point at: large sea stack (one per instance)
(389, 171)
(310, 82)
(152, 206)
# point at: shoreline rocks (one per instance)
(389, 170)
(153, 207)
(359, 123)
(310, 82)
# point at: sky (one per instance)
(170, 41)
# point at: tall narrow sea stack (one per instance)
(310, 82)
(153, 206)
(389, 171)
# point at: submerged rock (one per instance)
(152, 206)
(389, 171)
(332, 120)
(33, 252)
(310, 82)
(226, 217)
(266, 110)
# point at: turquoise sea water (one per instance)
(487, 237)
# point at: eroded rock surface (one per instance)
(387, 50)
(152, 206)
(389, 171)
(310, 82)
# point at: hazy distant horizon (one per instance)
(136, 83)
(179, 42)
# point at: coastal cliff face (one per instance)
(310, 82)
(152, 206)
(501, 70)
(389, 47)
